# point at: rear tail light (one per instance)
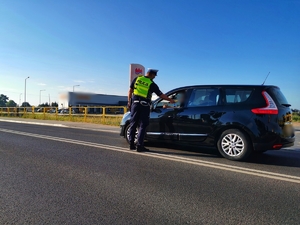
(277, 146)
(271, 107)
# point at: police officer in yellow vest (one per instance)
(139, 100)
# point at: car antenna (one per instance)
(266, 79)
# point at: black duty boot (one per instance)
(132, 147)
(141, 149)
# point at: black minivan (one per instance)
(235, 119)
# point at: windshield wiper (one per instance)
(286, 105)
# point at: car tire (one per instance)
(127, 134)
(233, 144)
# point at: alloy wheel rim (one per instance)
(232, 145)
(135, 137)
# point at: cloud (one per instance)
(41, 84)
(9, 90)
(78, 81)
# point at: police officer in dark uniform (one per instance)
(139, 100)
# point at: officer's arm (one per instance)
(160, 94)
(130, 94)
(129, 97)
(163, 96)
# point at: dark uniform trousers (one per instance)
(139, 117)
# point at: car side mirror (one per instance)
(152, 107)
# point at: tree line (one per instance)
(5, 102)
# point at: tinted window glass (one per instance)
(237, 95)
(277, 94)
(204, 97)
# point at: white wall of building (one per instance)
(78, 98)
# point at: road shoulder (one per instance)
(69, 124)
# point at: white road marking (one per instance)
(58, 125)
(35, 123)
(198, 162)
(102, 130)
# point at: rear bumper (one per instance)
(274, 145)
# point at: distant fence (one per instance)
(96, 114)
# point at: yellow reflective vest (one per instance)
(142, 86)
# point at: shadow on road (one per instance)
(277, 158)
(288, 158)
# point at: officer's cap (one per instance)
(152, 71)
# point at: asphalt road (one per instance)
(72, 173)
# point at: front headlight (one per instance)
(126, 115)
(125, 118)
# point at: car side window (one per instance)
(204, 97)
(236, 95)
(179, 98)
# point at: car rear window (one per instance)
(277, 94)
(237, 95)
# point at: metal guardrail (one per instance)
(85, 112)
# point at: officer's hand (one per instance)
(129, 105)
(172, 100)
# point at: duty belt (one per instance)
(143, 103)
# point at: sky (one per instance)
(91, 43)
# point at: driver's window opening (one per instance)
(179, 98)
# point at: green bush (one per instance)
(296, 117)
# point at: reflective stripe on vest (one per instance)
(142, 86)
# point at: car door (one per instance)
(162, 116)
(197, 120)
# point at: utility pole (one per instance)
(25, 92)
(40, 95)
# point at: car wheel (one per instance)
(234, 145)
(127, 130)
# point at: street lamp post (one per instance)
(25, 92)
(75, 86)
(40, 95)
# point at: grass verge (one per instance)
(96, 119)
